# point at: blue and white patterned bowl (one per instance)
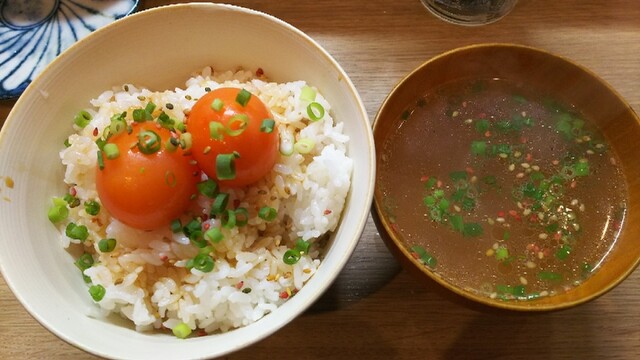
(34, 32)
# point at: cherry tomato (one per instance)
(146, 191)
(237, 129)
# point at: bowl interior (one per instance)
(158, 49)
(574, 85)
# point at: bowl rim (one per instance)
(398, 248)
(299, 303)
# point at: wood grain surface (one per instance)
(375, 310)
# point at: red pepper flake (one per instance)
(236, 203)
(73, 191)
(240, 285)
(533, 218)
(531, 246)
(523, 140)
(415, 255)
(513, 213)
(469, 170)
(95, 132)
(284, 295)
(557, 236)
(439, 184)
(164, 257)
(482, 115)
(424, 178)
(395, 227)
(327, 212)
(487, 133)
(464, 104)
(201, 332)
(259, 72)
(501, 214)
(574, 184)
(206, 226)
(529, 157)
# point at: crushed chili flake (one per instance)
(95, 131)
(284, 295)
(239, 285)
(206, 226)
(487, 133)
(259, 72)
(327, 212)
(164, 257)
(424, 178)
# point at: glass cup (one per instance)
(470, 12)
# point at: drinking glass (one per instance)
(470, 12)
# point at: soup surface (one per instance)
(501, 189)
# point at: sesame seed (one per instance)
(523, 280)
(517, 154)
(493, 295)
(468, 121)
(525, 165)
(526, 212)
(576, 226)
(574, 202)
(512, 167)
(581, 207)
(520, 175)
(503, 155)
(495, 246)
(540, 255)
(535, 167)
(530, 265)
(500, 220)
(544, 293)
(490, 252)
(542, 236)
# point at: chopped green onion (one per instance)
(148, 142)
(186, 141)
(478, 148)
(291, 257)
(208, 188)
(315, 111)
(424, 256)
(215, 130)
(217, 104)
(176, 226)
(181, 331)
(82, 119)
(228, 219)
(549, 275)
(472, 229)
(581, 168)
(267, 213)
(97, 292)
(100, 159)
(84, 262)
(225, 166)
(77, 232)
(214, 235)
(563, 252)
(219, 204)
(458, 175)
(303, 246)
(482, 125)
(172, 144)
(304, 146)
(267, 126)
(237, 124)
(307, 93)
(111, 151)
(502, 253)
(139, 115)
(92, 207)
(117, 126)
(430, 183)
(457, 223)
(243, 97)
(166, 121)
(519, 290)
(58, 211)
(191, 227)
(202, 262)
(149, 108)
(107, 245)
(242, 216)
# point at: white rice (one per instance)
(145, 276)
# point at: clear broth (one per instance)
(502, 190)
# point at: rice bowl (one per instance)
(145, 276)
(51, 289)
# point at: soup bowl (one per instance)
(537, 69)
(158, 49)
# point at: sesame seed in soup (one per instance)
(501, 189)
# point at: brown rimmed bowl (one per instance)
(557, 75)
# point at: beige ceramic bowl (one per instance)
(159, 49)
(543, 70)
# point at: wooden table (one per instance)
(375, 310)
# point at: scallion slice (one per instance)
(77, 232)
(315, 111)
(208, 188)
(228, 219)
(82, 119)
(107, 245)
(148, 142)
(267, 126)
(176, 226)
(215, 130)
(97, 292)
(181, 331)
(225, 166)
(186, 141)
(58, 211)
(307, 94)
(214, 235)
(100, 159)
(267, 213)
(237, 124)
(243, 97)
(291, 257)
(242, 216)
(111, 151)
(219, 204)
(304, 146)
(217, 104)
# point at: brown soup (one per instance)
(501, 189)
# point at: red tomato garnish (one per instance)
(146, 191)
(257, 150)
